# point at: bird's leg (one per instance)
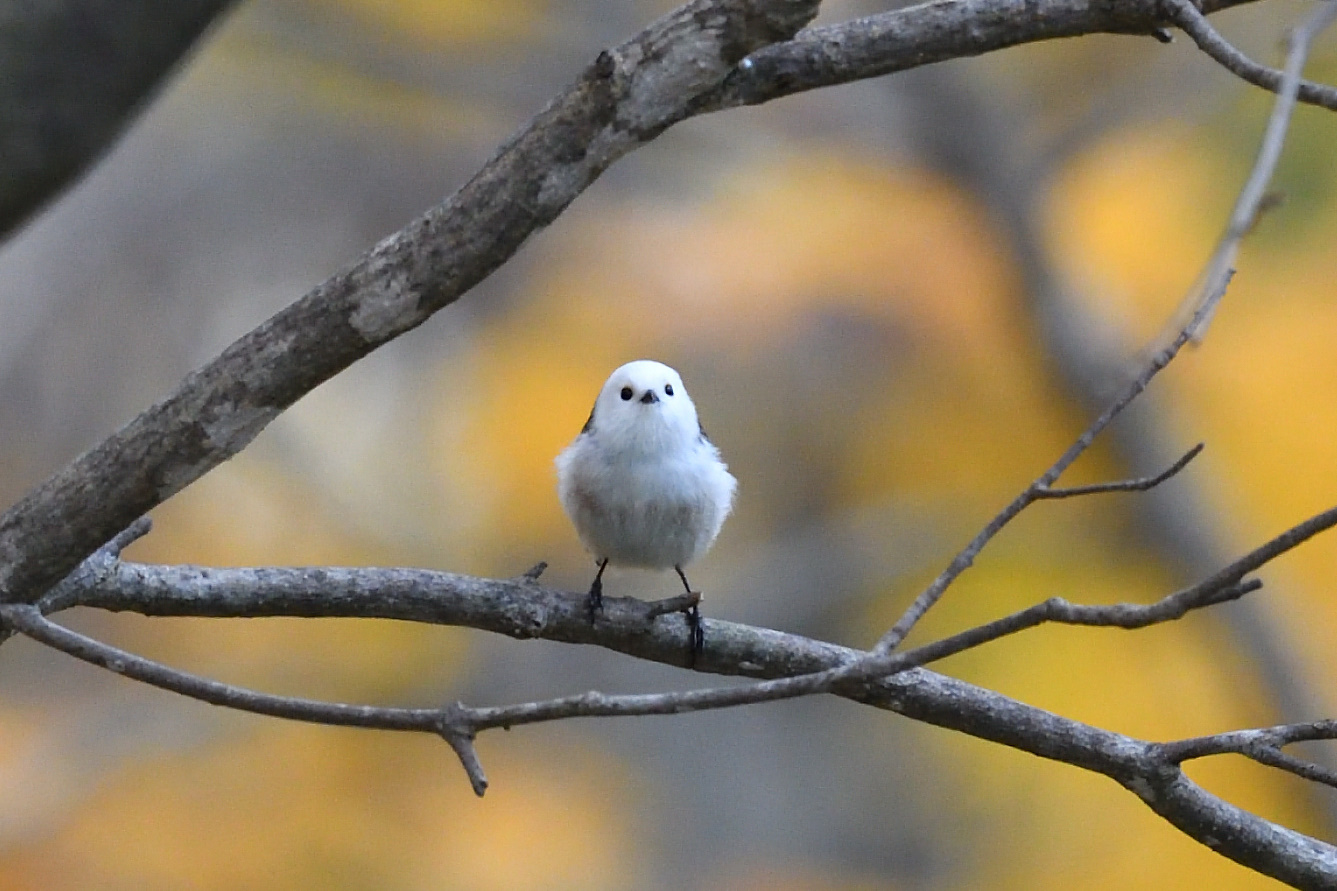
(693, 614)
(595, 604)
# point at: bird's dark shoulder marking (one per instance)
(589, 423)
(702, 428)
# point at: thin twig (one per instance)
(1262, 744)
(1238, 741)
(534, 572)
(98, 565)
(1140, 484)
(1063, 612)
(1196, 25)
(963, 560)
(27, 619)
(1216, 279)
(1308, 770)
(679, 603)
(1248, 205)
(1269, 551)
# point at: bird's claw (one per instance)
(696, 632)
(595, 603)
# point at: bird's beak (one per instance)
(650, 398)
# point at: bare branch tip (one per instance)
(129, 535)
(1140, 484)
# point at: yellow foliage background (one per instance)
(850, 321)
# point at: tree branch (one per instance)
(524, 609)
(1251, 200)
(1032, 493)
(1141, 484)
(924, 34)
(1216, 279)
(1209, 40)
(1263, 745)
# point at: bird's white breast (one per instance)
(654, 511)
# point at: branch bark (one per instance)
(524, 609)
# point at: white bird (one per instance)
(642, 483)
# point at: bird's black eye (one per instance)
(668, 389)
(626, 393)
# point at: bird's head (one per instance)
(644, 406)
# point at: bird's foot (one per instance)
(696, 632)
(689, 605)
(595, 603)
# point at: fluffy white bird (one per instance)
(642, 483)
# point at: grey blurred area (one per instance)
(298, 136)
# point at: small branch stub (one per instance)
(457, 729)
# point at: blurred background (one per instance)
(894, 303)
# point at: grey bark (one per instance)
(523, 609)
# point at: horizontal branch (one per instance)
(522, 608)
(29, 620)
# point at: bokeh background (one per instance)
(895, 303)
